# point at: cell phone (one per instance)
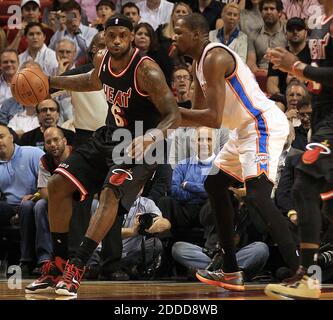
(70, 15)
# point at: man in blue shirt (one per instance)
(18, 172)
(187, 205)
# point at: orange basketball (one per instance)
(30, 86)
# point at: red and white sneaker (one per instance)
(51, 275)
(71, 278)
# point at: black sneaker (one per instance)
(71, 278)
(233, 281)
(51, 274)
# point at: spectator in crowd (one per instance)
(181, 82)
(31, 12)
(12, 108)
(271, 35)
(9, 108)
(187, 204)
(165, 34)
(48, 113)
(9, 63)
(89, 7)
(81, 35)
(18, 172)
(145, 39)
(304, 112)
(131, 11)
(24, 121)
(37, 49)
(295, 92)
(165, 31)
(251, 258)
(229, 34)
(210, 9)
(300, 8)
(65, 53)
(296, 35)
(251, 18)
(105, 9)
(155, 12)
(141, 246)
(56, 8)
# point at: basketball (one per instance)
(30, 86)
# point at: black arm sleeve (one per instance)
(322, 75)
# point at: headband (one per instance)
(119, 21)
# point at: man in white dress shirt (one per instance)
(155, 12)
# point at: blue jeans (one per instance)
(251, 258)
(35, 232)
(7, 211)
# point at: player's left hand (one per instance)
(139, 146)
(281, 58)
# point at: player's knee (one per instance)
(59, 185)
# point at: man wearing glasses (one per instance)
(48, 113)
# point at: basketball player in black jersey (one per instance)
(136, 92)
(314, 178)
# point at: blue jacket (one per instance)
(193, 172)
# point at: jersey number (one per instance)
(116, 111)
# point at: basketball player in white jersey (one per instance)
(227, 94)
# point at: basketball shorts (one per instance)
(89, 168)
(256, 148)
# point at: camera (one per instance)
(70, 16)
(146, 220)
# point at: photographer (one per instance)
(141, 247)
(75, 31)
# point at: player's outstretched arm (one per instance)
(82, 82)
(216, 65)
(151, 80)
(286, 61)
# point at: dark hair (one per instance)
(248, 5)
(180, 67)
(196, 21)
(304, 102)
(71, 5)
(8, 50)
(154, 44)
(11, 131)
(31, 25)
(55, 101)
(106, 3)
(278, 4)
(129, 5)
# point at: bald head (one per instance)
(55, 142)
(205, 142)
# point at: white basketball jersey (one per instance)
(244, 101)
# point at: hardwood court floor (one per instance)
(152, 290)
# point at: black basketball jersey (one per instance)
(321, 50)
(128, 106)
